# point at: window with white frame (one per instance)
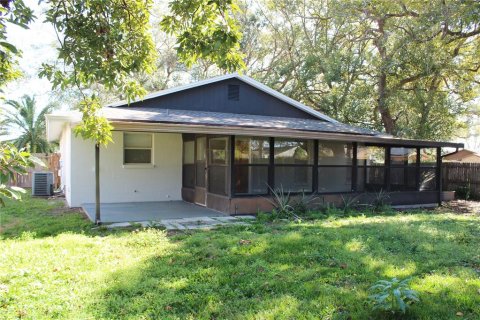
(137, 148)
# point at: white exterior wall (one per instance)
(119, 183)
(65, 162)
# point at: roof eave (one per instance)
(275, 132)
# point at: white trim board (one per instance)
(247, 80)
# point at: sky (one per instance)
(38, 46)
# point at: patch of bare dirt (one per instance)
(65, 210)
(461, 207)
(11, 224)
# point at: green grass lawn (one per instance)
(54, 266)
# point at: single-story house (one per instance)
(225, 142)
(465, 156)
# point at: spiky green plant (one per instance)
(282, 202)
(25, 116)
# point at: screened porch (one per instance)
(218, 168)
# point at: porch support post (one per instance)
(387, 168)
(315, 167)
(417, 170)
(232, 168)
(271, 166)
(439, 175)
(97, 184)
(354, 167)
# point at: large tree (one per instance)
(403, 67)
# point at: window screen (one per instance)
(137, 148)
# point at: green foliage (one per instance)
(392, 296)
(304, 203)
(205, 29)
(101, 42)
(24, 115)
(11, 12)
(464, 192)
(312, 270)
(13, 162)
(380, 201)
(402, 67)
(281, 201)
(349, 204)
(93, 125)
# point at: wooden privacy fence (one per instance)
(52, 164)
(456, 175)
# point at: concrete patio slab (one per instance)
(148, 211)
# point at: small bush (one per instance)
(380, 201)
(349, 204)
(302, 205)
(393, 296)
(464, 192)
(282, 203)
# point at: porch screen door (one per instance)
(200, 170)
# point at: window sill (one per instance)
(139, 166)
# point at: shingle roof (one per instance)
(227, 119)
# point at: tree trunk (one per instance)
(387, 119)
(382, 107)
(97, 184)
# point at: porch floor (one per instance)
(148, 211)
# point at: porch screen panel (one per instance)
(371, 168)
(293, 164)
(428, 169)
(403, 169)
(250, 167)
(200, 159)
(335, 166)
(218, 165)
(188, 164)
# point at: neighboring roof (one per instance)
(227, 119)
(243, 78)
(462, 156)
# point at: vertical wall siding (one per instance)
(214, 98)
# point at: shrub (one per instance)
(380, 201)
(392, 296)
(303, 204)
(464, 192)
(349, 204)
(282, 203)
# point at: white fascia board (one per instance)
(254, 83)
(55, 122)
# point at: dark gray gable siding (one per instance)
(214, 98)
